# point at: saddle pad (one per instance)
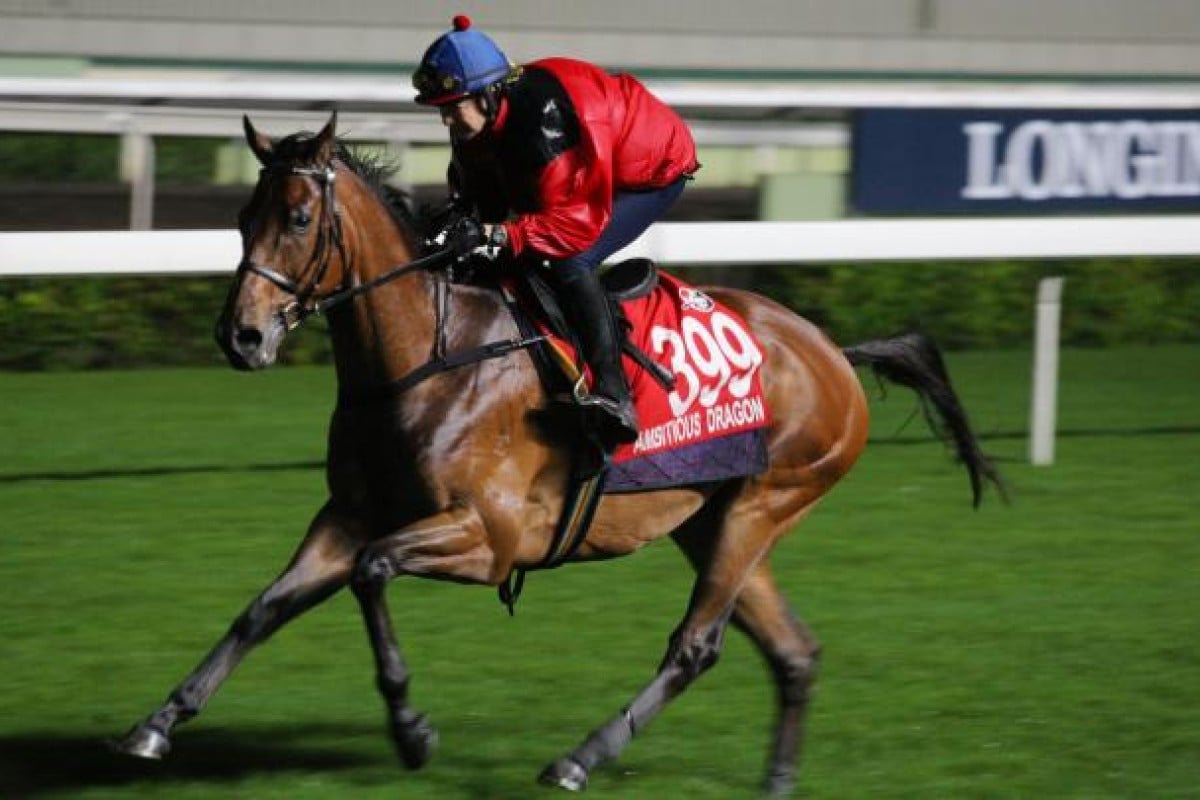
(710, 427)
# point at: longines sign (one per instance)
(979, 160)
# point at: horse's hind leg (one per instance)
(791, 652)
(319, 568)
(723, 561)
(694, 647)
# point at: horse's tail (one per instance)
(913, 360)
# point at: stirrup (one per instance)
(616, 419)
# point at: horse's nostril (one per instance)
(248, 339)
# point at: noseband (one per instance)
(306, 303)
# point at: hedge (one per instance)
(96, 323)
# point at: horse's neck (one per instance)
(389, 331)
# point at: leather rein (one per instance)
(307, 303)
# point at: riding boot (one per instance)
(590, 314)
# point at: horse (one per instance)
(446, 473)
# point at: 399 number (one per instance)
(707, 359)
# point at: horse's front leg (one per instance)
(451, 545)
(321, 565)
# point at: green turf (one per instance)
(1047, 649)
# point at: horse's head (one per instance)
(293, 252)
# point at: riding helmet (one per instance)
(461, 62)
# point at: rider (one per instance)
(566, 164)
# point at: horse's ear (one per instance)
(260, 144)
(326, 140)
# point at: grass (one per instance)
(1045, 649)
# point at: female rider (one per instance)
(566, 164)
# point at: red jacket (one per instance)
(566, 138)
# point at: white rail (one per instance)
(918, 239)
(119, 253)
(217, 252)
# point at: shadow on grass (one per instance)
(156, 472)
(50, 762)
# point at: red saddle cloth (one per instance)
(710, 426)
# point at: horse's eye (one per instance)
(300, 219)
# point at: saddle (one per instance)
(627, 280)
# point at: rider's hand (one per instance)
(443, 221)
(495, 240)
(464, 237)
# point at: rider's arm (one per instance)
(574, 193)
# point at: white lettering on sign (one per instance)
(1043, 159)
(707, 356)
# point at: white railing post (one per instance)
(1044, 405)
(137, 167)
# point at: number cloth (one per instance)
(710, 426)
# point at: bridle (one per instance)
(306, 302)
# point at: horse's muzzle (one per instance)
(248, 347)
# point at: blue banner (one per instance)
(980, 161)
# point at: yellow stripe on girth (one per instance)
(565, 361)
(583, 501)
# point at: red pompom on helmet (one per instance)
(461, 22)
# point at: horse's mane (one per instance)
(370, 166)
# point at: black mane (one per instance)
(374, 171)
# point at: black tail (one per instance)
(913, 360)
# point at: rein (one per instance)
(323, 305)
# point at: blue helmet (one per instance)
(457, 64)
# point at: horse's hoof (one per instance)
(416, 741)
(566, 773)
(780, 785)
(143, 742)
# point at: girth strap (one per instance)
(584, 490)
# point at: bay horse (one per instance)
(449, 477)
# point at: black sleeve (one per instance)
(542, 122)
